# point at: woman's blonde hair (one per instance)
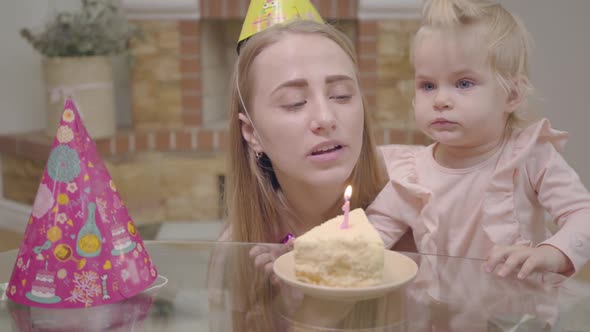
(254, 197)
(253, 194)
(507, 40)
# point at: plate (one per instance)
(398, 271)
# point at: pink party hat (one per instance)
(81, 248)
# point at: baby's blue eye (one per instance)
(427, 86)
(464, 84)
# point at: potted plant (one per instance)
(78, 48)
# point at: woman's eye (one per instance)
(294, 106)
(464, 84)
(341, 97)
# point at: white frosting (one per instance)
(44, 295)
(44, 278)
(330, 256)
(118, 230)
(122, 244)
(47, 294)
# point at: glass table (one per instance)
(448, 294)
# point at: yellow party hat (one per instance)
(264, 13)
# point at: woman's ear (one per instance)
(249, 134)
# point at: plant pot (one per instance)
(89, 81)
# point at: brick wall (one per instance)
(179, 84)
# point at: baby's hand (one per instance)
(542, 258)
(264, 256)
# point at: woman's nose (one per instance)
(323, 118)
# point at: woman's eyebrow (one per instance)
(297, 83)
(302, 83)
(336, 78)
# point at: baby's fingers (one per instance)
(514, 260)
(497, 256)
(532, 263)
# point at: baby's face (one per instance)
(459, 101)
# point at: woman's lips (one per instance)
(327, 155)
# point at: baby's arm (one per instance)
(544, 258)
(560, 191)
(385, 215)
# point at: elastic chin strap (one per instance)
(244, 104)
(159, 285)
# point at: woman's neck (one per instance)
(312, 205)
(464, 157)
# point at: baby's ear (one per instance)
(249, 134)
(516, 95)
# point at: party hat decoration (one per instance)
(265, 13)
(80, 248)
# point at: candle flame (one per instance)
(348, 193)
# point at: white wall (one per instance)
(21, 94)
(561, 69)
(21, 88)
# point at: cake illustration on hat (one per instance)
(80, 248)
(43, 288)
(122, 242)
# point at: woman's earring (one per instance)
(258, 155)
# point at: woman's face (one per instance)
(307, 108)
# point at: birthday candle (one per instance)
(346, 207)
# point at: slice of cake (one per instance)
(331, 256)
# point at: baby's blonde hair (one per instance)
(507, 40)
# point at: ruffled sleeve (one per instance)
(533, 153)
(402, 169)
(501, 224)
(400, 160)
(401, 199)
(561, 192)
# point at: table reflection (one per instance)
(448, 294)
(126, 315)
(451, 294)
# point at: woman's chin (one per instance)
(331, 177)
